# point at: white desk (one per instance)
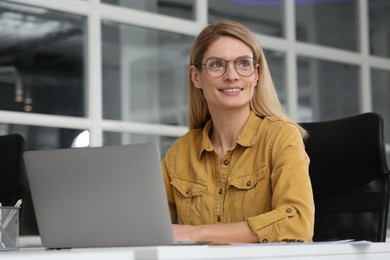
(318, 251)
(74, 254)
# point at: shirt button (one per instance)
(220, 191)
(226, 162)
(264, 240)
(188, 191)
(219, 219)
(248, 183)
(288, 210)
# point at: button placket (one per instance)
(218, 199)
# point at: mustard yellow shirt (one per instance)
(263, 179)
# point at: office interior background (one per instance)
(77, 73)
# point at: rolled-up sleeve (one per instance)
(292, 214)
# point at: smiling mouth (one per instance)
(231, 90)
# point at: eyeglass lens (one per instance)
(216, 66)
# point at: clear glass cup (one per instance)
(9, 228)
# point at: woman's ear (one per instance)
(195, 74)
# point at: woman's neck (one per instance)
(227, 125)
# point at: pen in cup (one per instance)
(11, 214)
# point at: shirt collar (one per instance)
(206, 142)
(246, 138)
(248, 135)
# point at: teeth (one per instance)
(231, 90)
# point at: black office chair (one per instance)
(12, 172)
(350, 178)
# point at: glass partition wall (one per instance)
(108, 72)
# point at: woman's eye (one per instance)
(216, 64)
(243, 63)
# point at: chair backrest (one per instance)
(350, 178)
(12, 172)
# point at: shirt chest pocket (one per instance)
(248, 194)
(247, 181)
(189, 198)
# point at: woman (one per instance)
(240, 175)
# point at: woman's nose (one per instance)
(231, 72)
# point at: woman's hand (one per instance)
(184, 232)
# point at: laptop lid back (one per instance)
(99, 196)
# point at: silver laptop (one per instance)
(99, 196)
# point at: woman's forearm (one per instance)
(238, 232)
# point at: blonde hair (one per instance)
(265, 101)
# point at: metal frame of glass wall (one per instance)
(96, 12)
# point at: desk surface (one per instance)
(377, 251)
(319, 251)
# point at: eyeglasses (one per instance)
(216, 66)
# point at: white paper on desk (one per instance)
(338, 241)
(345, 241)
(362, 242)
(349, 241)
